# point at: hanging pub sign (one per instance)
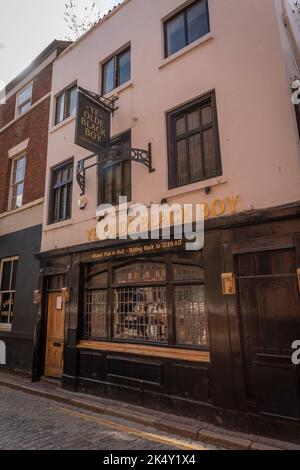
(92, 124)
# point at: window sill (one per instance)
(23, 208)
(63, 223)
(119, 90)
(61, 124)
(153, 351)
(191, 188)
(185, 50)
(6, 327)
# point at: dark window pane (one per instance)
(14, 275)
(61, 205)
(206, 115)
(72, 101)
(195, 157)
(209, 152)
(60, 108)
(6, 273)
(193, 120)
(109, 76)
(176, 38)
(198, 22)
(5, 307)
(182, 163)
(124, 67)
(180, 126)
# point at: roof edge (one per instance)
(59, 45)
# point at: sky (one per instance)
(28, 26)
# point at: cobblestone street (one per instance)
(32, 423)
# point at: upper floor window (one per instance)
(24, 99)
(66, 104)
(61, 192)
(186, 27)
(8, 275)
(115, 178)
(17, 182)
(116, 71)
(194, 151)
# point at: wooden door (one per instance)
(269, 310)
(55, 336)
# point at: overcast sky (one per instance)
(28, 26)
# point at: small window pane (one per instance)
(140, 272)
(96, 314)
(25, 107)
(14, 275)
(5, 307)
(182, 163)
(195, 157)
(176, 38)
(180, 126)
(209, 152)
(191, 316)
(6, 273)
(198, 22)
(206, 115)
(97, 280)
(124, 67)
(25, 95)
(60, 108)
(109, 76)
(19, 170)
(72, 101)
(193, 120)
(183, 272)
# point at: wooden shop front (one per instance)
(150, 323)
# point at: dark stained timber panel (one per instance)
(277, 390)
(136, 370)
(92, 365)
(190, 381)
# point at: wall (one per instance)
(19, 342)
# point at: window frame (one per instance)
(13, 184)
(116, 57)
(28, 100)
(65, 94)
(169, 284)
(186, 32)
(127, 184)
(60, 167)
(208, 98)
(5, 326)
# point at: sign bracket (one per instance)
(112, 156)
(108, 103)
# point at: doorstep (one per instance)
(165, 422)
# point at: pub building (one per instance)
(190, 105)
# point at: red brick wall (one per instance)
(32, 126)
(41, 86)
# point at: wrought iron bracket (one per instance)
(108, 103)
(112, 156)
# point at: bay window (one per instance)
(147, 302)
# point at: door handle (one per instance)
(57, 345)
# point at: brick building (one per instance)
(24, 119)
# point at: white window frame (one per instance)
(13, 184)
(7, 326)
(19, 105)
